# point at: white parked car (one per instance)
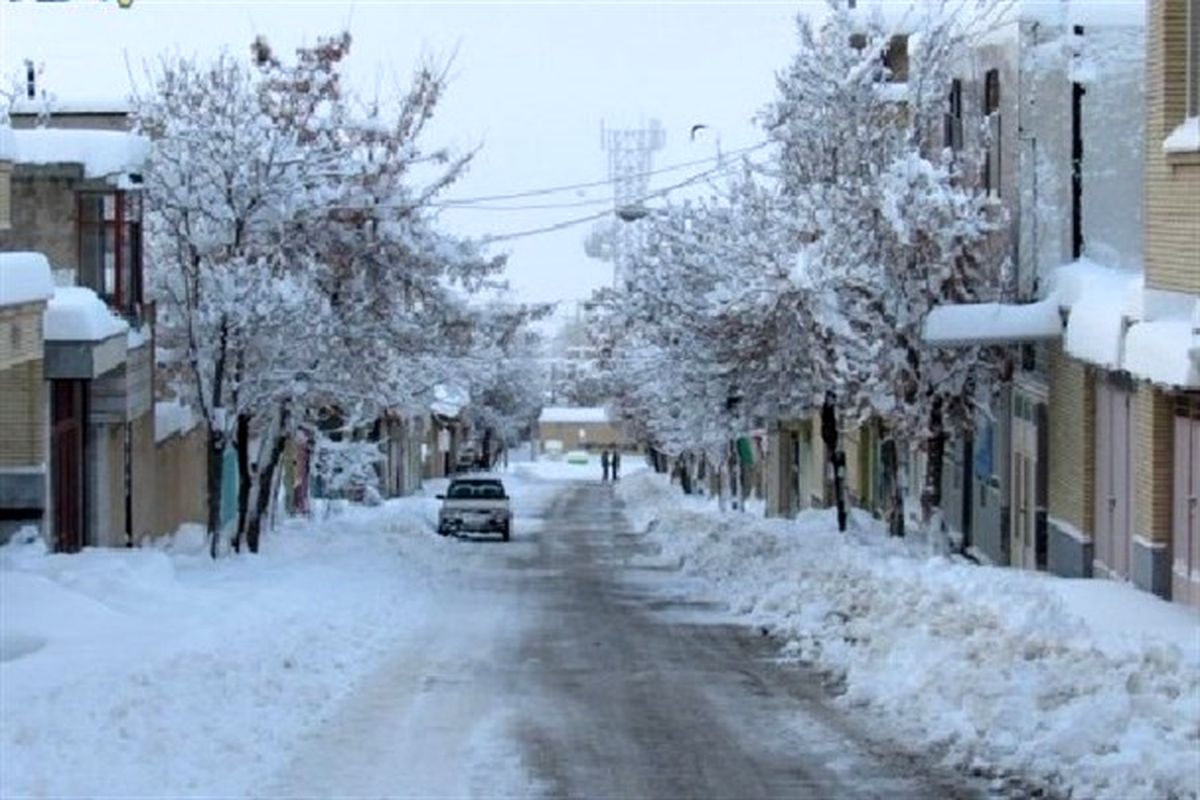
(475, 505)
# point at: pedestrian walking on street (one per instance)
(604, 462)
(616, 463)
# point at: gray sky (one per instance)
(531, 83)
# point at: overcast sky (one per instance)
(531, 83)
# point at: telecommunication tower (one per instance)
(630, 155)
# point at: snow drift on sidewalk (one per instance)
(157, 672)
(990, 667)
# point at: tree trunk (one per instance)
(895, 493)
(837, 459)
(931, 492)
(241, 443)
(216, 441)
(215, 458)
(265, 479)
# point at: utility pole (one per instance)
(630, 155)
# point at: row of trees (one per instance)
(298, 261)
(802, 285)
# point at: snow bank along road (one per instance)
(362, 655)
(553, 671)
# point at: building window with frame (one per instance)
(991, 113)
(952, 134)
(1185, 138)
(110, 248)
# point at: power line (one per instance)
(592, 184)
(607, 212)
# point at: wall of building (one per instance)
(1072, 414)
(147, 492)
(103, 120)
(1154, 437)
(5, 195)
(595, 435)
(44, 213)
(1172, 180)
(23, 398)
(179, 481)
(1110, 67)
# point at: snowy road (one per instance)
(583, 678)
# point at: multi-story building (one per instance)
(1162, 349)
(75, 197)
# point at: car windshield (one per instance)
(480, 491)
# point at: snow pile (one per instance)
(991, 668)
(158, 672)
(77, 314)
(1185, 138)
(24, 278)
(172, 417)
(102, 153)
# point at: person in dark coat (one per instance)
(616, 463)
(604, 462)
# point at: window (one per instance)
(895, 59)
(952, 132)
(991, 112)
(110, 248)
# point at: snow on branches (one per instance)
(809, 277)
(296, 252)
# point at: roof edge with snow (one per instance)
(992, 323)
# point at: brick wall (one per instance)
(1172, 181)
(43, 213)
(1072, 419)
(1154, 443)
(20, 333)
(22, 415)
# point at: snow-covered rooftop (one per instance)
(574, 414)
(1166, 352)
(24, 278)
(102, 153)
(1114, 324)
(993, 323)
(76, 314)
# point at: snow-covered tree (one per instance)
(804, 284)
(299, 260)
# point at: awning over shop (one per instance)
(992, 323)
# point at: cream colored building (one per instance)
(580, 428)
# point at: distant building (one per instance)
(580, 428)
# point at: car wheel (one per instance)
(443, 531)
(504, 533)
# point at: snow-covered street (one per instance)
(362, 655)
